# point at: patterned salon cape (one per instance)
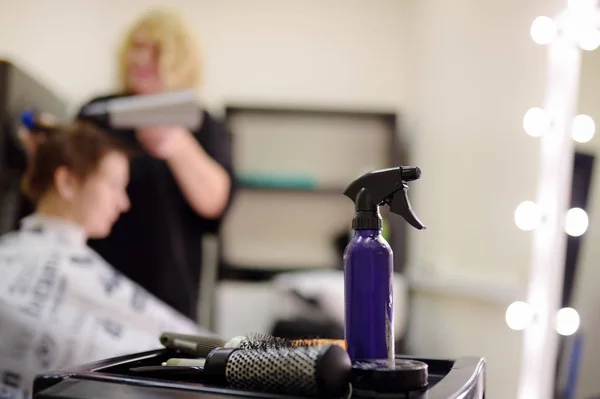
(62, 305)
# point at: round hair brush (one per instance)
(302, 370)
(315, 371)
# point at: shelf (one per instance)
(293, 165)
(308, 152)
(387, 115)
(318, 190)
(285, 228)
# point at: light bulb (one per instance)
(527, 215)
(519, 315)
(590, 40)
(567, 321)
(583, 128)
(577, 222)
(536, 122)
(543, 30)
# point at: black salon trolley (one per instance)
(112, 379)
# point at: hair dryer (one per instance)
(170, 108)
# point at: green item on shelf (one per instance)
(278, 180)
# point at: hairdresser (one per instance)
(61, 304)
(181, 180)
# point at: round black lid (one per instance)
(375, 379)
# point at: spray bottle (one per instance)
(369, 266)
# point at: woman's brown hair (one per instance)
(79, 146)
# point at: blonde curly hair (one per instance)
(180, 63)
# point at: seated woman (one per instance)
(61, 304)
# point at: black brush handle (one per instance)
(195, 345)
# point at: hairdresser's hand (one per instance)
(163, 142)
(28, 140)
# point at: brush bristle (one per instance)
(319, 342)
(265, 341)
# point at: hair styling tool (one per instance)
(201, 346)
(195, 345)
(176, 362)
(369, 263)
(302, 370)
(171, 108)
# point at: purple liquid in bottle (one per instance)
(369, 310)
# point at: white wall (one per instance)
(477, 73)
(462, 73)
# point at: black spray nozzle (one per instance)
(410, 173)
(385, 187)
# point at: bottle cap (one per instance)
(371, 379)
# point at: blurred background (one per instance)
(320, 91)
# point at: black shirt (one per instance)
(158, 242)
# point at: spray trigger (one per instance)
(400, 205)
(382, 187)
